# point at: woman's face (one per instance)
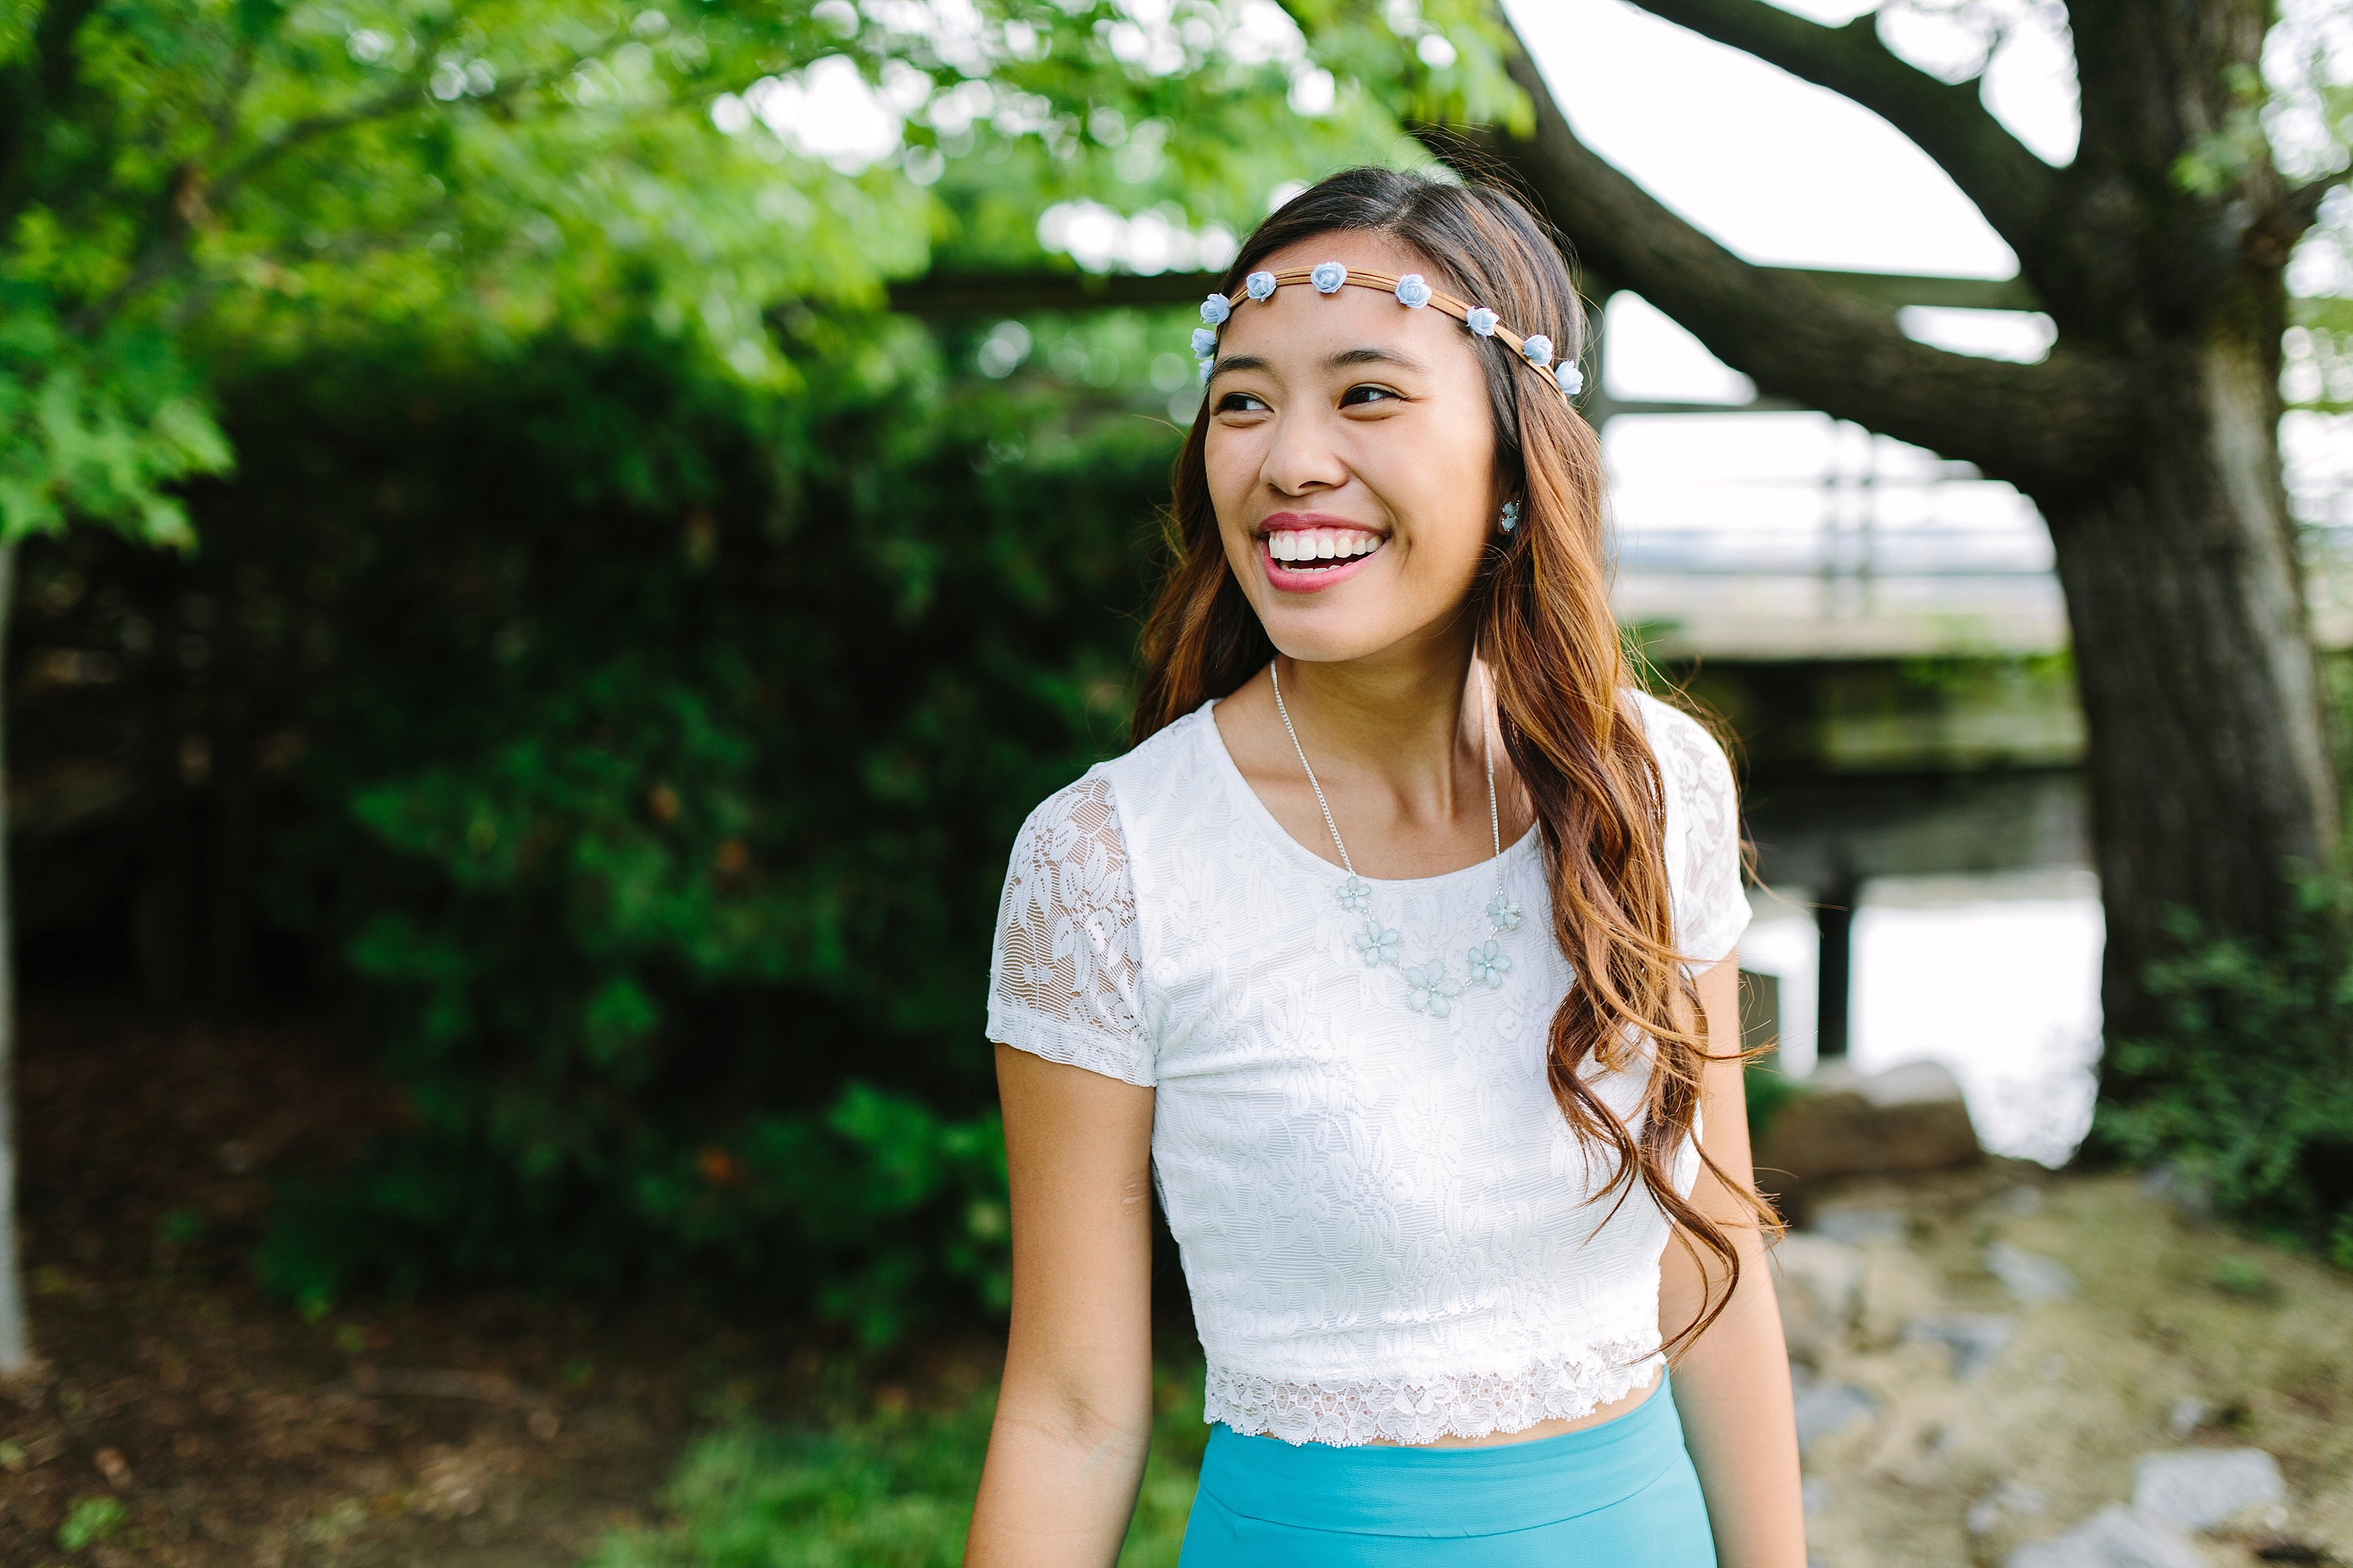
(1351, 457)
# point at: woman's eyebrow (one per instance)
(1238, 361)
(1370, 355)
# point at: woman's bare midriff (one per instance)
(1608, 1412)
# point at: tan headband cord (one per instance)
(1413, 291)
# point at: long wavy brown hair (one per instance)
(1560, 675)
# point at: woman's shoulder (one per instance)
(1691, 759)
(1155, 768)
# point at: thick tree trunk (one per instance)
(2209, 765)
(15, 1338)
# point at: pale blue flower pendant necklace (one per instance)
(1430, 988)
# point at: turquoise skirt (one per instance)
(1622, 1494)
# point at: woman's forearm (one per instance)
(1075, 1411)
(1732, 1389)
(1059, 1483)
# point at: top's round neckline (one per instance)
(1231, 771)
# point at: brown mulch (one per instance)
(488, 1430)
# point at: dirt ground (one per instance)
(1961, 1414)
(459, 1432)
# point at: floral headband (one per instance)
(1412, 291)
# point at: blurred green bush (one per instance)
(884, 1491)
(659, 747)
(2247, 1100)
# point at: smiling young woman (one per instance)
(1398, 956)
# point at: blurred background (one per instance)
(549, 548)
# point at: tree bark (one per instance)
(2207, 761)
(15, 1337)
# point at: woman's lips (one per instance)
(1326, 552)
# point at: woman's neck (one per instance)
(1405, 720)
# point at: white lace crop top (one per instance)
(1382, 1212)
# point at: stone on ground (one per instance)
(1909, 1118)
(1974, 1338)
(2198, 1489)
(1827, 1409)
(2028, 1276)
(1819, 1282)
(2115, 1537)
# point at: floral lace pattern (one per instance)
(1703, 835)
(1063, 981)
(1422, 1410)
(1377, 1200)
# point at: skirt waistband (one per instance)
(1431, 1491)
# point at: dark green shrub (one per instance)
(661, 749)
(2248, 1096)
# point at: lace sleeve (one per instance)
(1063, 978)
(1704, 871)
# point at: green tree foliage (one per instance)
(2248, 1096)
(176, 176)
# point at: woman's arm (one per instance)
(1732, 1385)
(1074, 1413)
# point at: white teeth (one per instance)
(1321, 544)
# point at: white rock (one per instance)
(2013, 1499)
(2115, 1537)
(1858, 1225)
(1827, 1409)
(1819, 1282)
(1831, 1271)
(2198, 1489)
(1975, 1339)
(2031, 1277)
(2190, 1413)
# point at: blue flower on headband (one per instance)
(1328, 277)
(1205, 343)
(1412, 291)
(1536, 350)
(1570, 377)
(1258, 285)
(1215, 310)
(1481, 321)
(1207, 365)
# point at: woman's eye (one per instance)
(1357, 396)
(1239, 403)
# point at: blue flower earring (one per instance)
(1509, 518)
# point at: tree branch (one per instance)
(2044, 427)
(2013, 188)
(2301, 206)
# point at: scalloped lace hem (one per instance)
(1421, 1410)
(1071, 1044)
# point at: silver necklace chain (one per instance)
(1486, 755)
(1432, 986)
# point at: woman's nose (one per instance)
(1303, 458)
